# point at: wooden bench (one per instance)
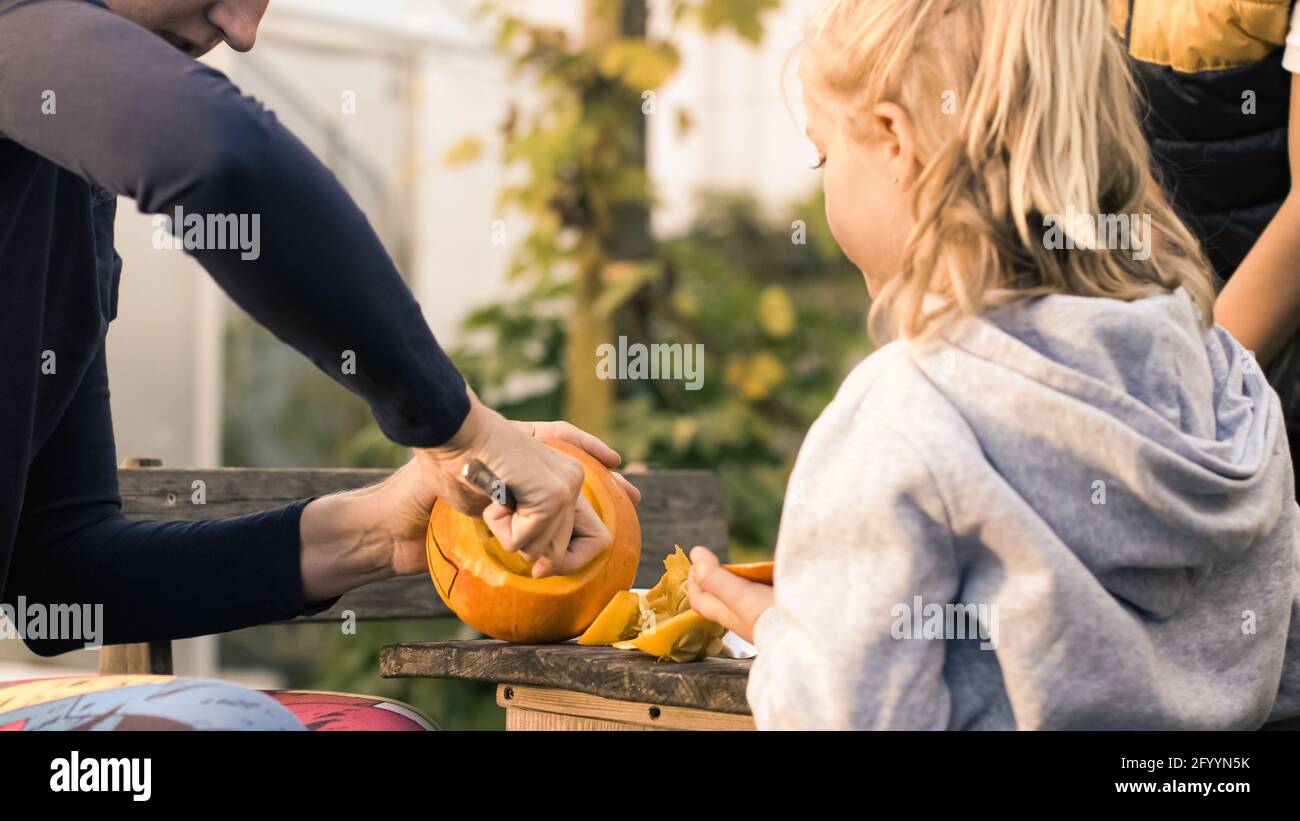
(678, 507)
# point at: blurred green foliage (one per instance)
(780, 322)
(280, 411)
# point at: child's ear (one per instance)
(896, 132)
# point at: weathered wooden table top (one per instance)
(716, 684)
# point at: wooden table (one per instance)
(568, 687)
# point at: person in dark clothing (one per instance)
(1222, 113)
(103, 98)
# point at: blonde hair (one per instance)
(1041, 122)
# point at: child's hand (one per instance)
(724, 597)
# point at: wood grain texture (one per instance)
(518, 720)
(631, 714)
(151, 658)
(717, 685)
(678, 507)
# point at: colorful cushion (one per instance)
(341, 711)
(138, 703)
(170, 703)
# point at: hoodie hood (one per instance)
(1083, 401)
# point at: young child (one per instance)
(1060, 497)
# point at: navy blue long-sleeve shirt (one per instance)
(93, 106)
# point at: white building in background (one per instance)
(420, 76)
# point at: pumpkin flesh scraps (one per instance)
(619, 620)
(688, 636)
(663, 623)
(668, 597)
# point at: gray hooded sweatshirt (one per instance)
(1069, 513)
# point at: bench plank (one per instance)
(678, 507)
(717, 684)
(545, 708)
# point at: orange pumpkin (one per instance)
(494, 592)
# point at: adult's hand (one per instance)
(553, 523)
(355, 538)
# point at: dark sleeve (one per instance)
(153, 580)
(139, 118)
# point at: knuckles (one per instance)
(571, 474)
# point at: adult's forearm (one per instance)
(159, 581)
(155, 581)
(345, 544)
(1260, 305)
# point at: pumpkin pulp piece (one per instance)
(688, 636)
(616, 622)
(668, 597)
